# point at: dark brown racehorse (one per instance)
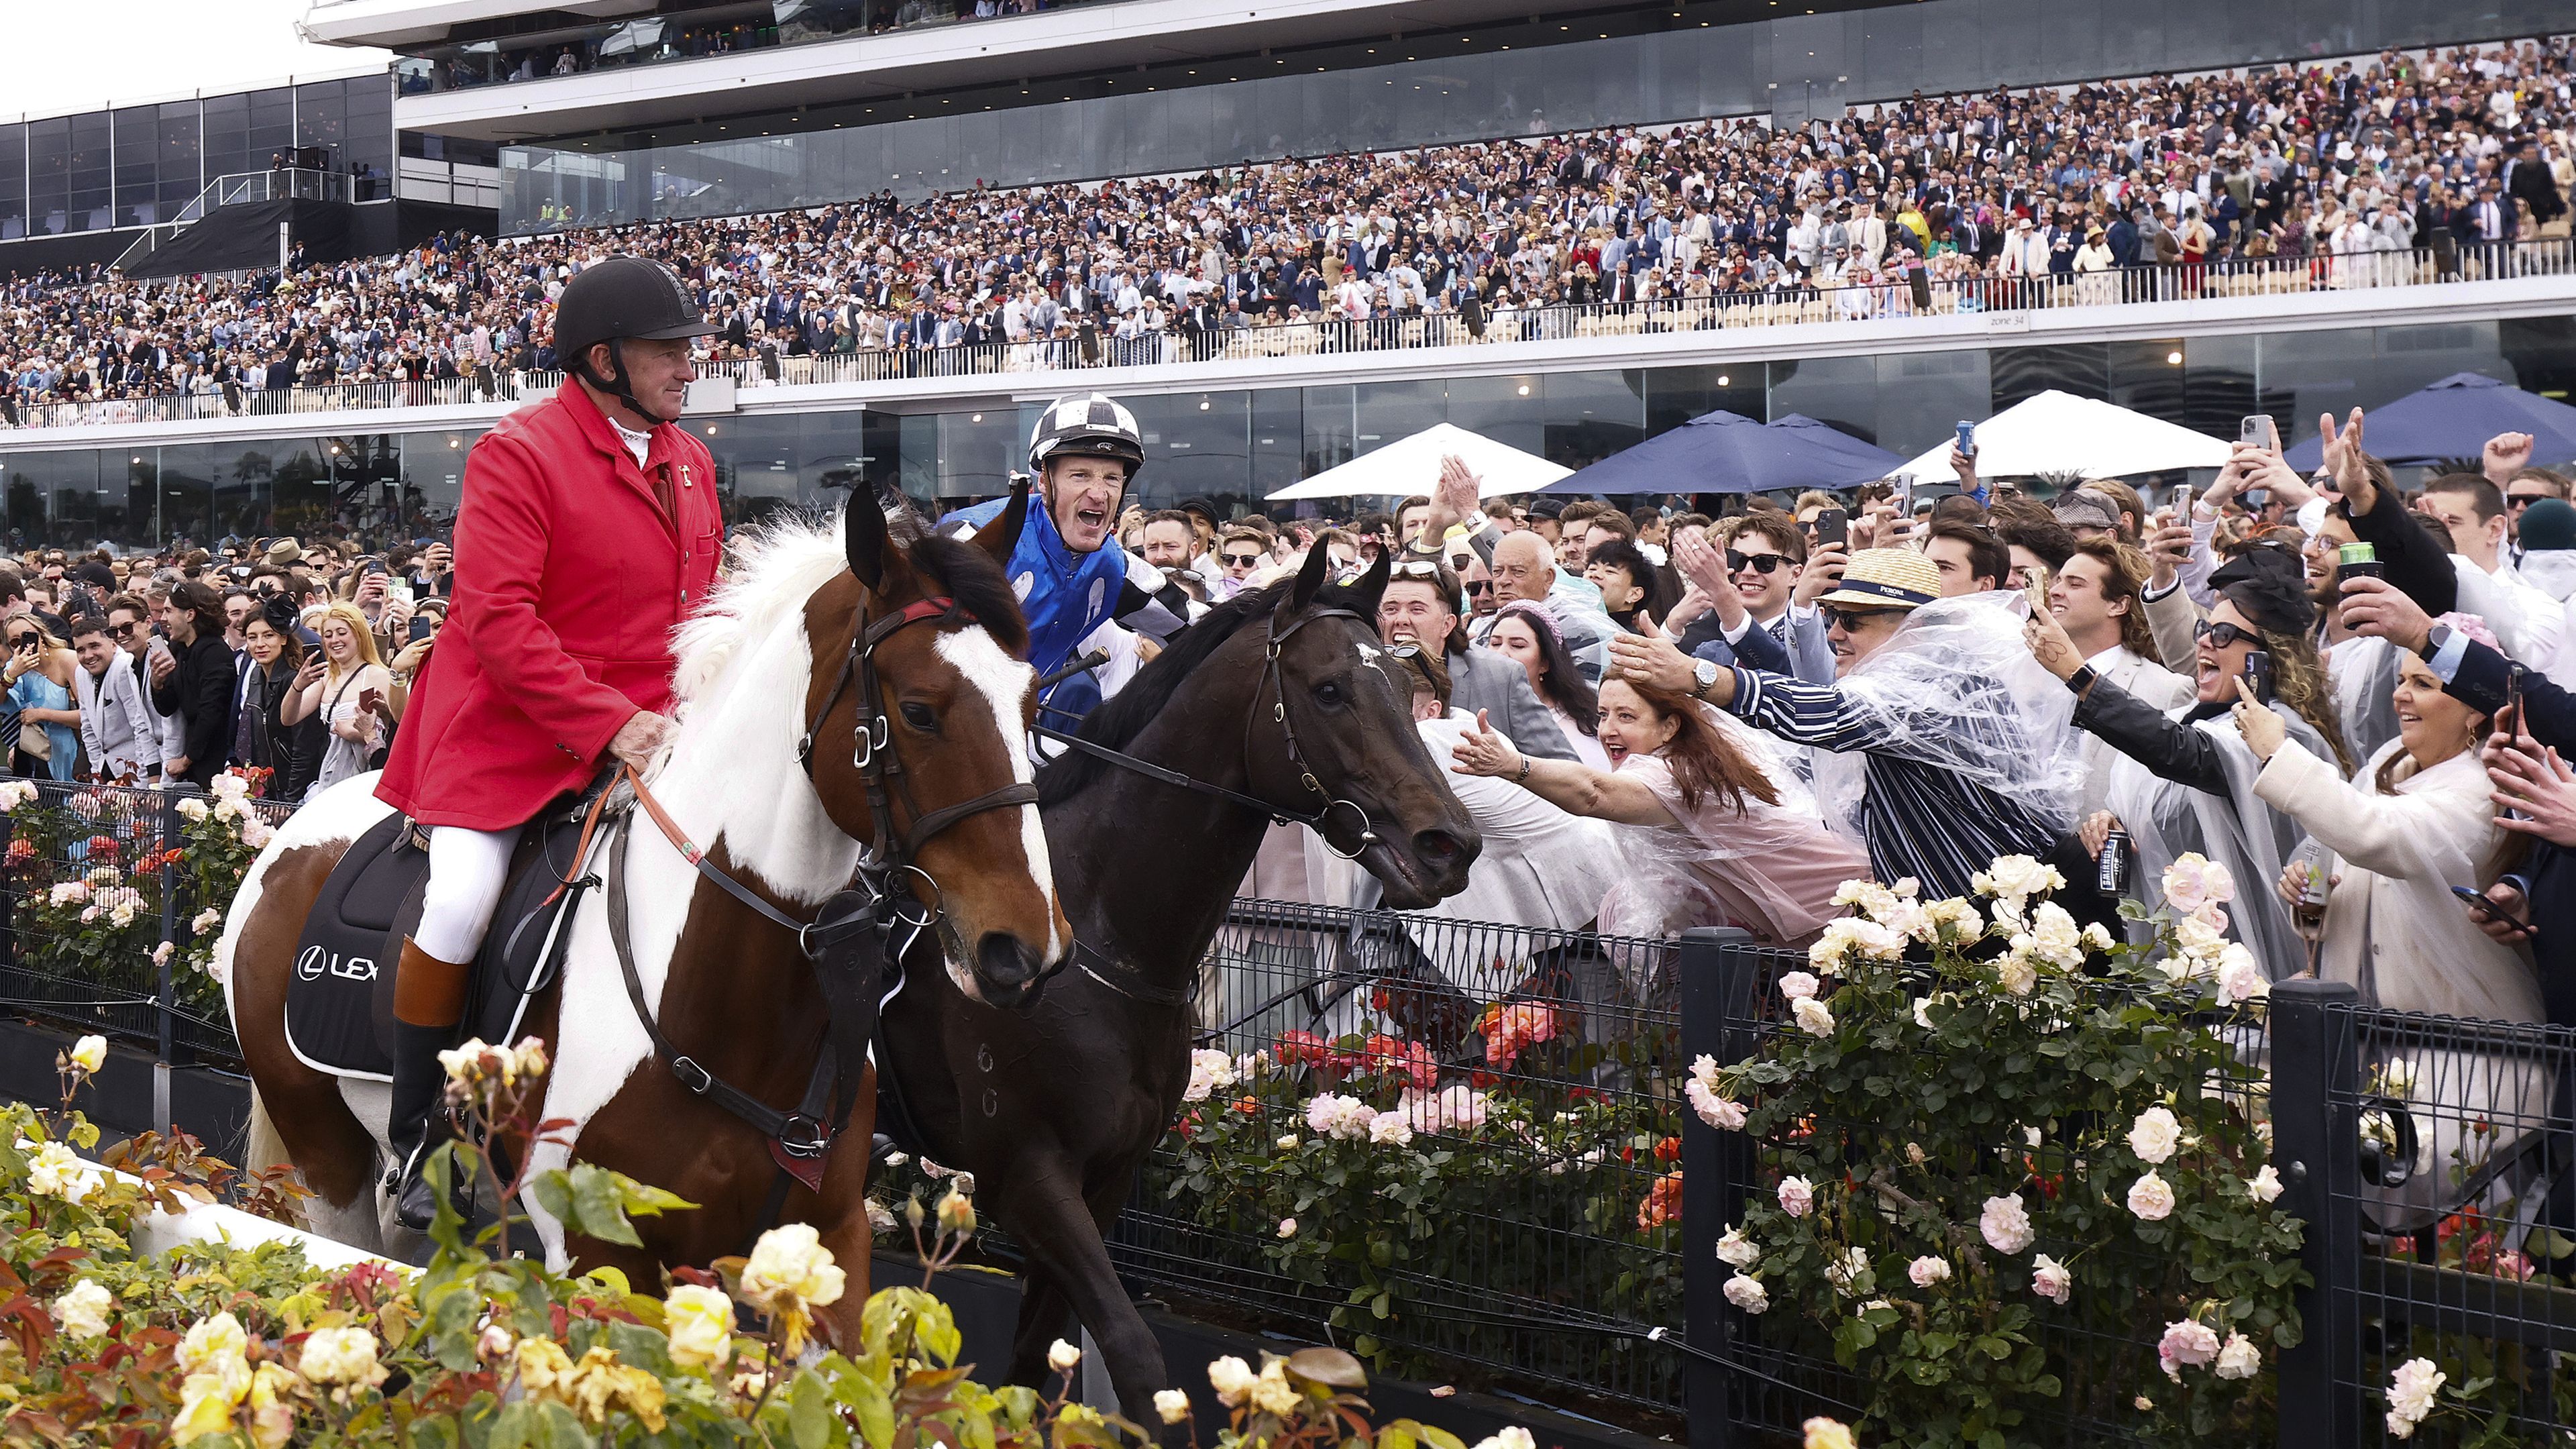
(729, 986)
(1283, 696)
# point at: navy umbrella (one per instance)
(2454, 418)
(1723, 452)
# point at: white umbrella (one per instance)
(2058, 432)
(1412, 465)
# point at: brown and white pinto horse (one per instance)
(729, 987)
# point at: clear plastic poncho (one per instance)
(1957, 688)
(2363, 671)
(2166, 819)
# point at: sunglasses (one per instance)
(1243, 560)
(1849, 620)
(121, 631)
(21, 641)
(1760, 563)
(2523, 500)
(2223, 636)
(1417, 569)
(1480, 586)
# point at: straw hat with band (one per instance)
(1886, 578)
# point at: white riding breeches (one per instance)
(467, 869)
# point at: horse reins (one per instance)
(800, 1139)
(1097, 965)
(1273, 685)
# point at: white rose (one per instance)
(89, 1053)
(2005, 1223)
(2238, 1358)
(209, 919)
(2198, 939)
(700, 1320)
(2155, 1135)
(1287, 1227)
(1723, 1113)
(340, 1356)
(1747, 1293)
(1928, 1270)
(56, 1171)
(1797, 1196)
(2184, 881)
(2096, 938)
(2264, 1186)
(1390, 1128)
(192, 809)
(1843, 1272)
(2050, 1279)
(790, 1269)
(1171, 1405)
(83, 1311)
(2240, 977)
(2013, 971)
(2055, 937)
(1231, 1377)
(1738, 1251)
(1813, 1016)
(2018, 877)
(1798, 985)
(2412, 1393)
(1062, 1356)
(2151, 1198)
(2187, 1344)
(1922, 1012)
(2397, 1079)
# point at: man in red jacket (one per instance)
(589, 528)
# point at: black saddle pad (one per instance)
(340, 1000)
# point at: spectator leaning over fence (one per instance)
(38, 676)
(120, 736)
(1723, 832)
(1940, 745)
(194, 682)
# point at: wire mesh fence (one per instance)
(103, 890)
(1450, 1146)
(2457, 1189)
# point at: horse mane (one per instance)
(778, 566)
(1124, 715)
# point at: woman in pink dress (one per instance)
(1718, 831)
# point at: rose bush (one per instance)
(2016, 1171)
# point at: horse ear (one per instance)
(863, 530)
(1371, 586)
(1310, 579)
(1002, 535)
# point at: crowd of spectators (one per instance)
(2432, 155)
(293, 664)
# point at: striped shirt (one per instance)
(1918, 816)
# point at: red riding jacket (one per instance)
(570, 575)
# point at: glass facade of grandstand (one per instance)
(138, 165)
(1699, 60)
(1238, 446)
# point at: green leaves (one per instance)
(596, 1202)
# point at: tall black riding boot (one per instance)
(429, 1000)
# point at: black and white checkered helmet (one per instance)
(1086, 425)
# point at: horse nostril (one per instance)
(1005, 959)
(1436, 847)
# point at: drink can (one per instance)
(2358, 561)
(2114, 862)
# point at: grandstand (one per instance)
(2264, 237)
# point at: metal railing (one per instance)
(242, 188)
(1096, 349)
(2432, 1160)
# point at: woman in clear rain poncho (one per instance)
(2186, 780)
(1715, 829)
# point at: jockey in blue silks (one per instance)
(1068, 570)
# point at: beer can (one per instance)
(2114, 862)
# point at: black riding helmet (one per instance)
(620, 298)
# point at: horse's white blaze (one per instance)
(1005, 684)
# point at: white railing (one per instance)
(1910, 297)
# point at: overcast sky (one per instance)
(78, 55)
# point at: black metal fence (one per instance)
(1492, 1192)
(97, 905)
(1523, 1234)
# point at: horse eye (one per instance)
(919, 717)
(1328, 692)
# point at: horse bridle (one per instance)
(831, 941)
(891, 863)
(1273, 685)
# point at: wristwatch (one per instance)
(1706, 672)
(2434, 639)
(2082, 679)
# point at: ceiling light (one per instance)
(2175, 358)
(1524, 389)
(1721, 379)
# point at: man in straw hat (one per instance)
(1935, 745)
